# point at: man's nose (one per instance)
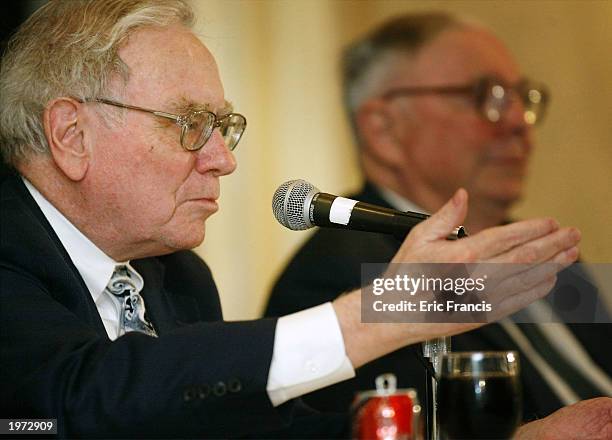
(514, 116)
(215, 156)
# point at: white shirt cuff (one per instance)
(308, 354)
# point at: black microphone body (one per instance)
(365, 217)
(299, 205)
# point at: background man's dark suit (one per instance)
(56, 360)
(329, 263)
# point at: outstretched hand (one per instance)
(537, 250)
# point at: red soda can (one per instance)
(387, 413)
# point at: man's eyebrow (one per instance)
(228, 107)
(184, 105)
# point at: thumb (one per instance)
(443, 222)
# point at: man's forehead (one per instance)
(462, 55)
(170, 65)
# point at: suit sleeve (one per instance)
(206, 379)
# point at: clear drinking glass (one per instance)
(479, 395)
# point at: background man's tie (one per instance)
(123, 284)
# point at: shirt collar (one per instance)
(94, 266)
(398, 202)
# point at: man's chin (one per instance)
(500, 205)
(495, 201)
(502, 193)
(195, 241)
(185, 241)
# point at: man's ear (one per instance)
(378, 132)
(65, 137)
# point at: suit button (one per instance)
(203, 391)
(189, 394)
(234, 385)
(220, 389)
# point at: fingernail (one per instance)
(554, 224)
(576, 234)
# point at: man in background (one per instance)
(437, 103)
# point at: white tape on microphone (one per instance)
(341, 209)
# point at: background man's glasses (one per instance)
(492, 97)
(196, 127)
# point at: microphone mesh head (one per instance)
(289, 204)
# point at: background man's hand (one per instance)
(590, 419)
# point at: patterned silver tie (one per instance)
(123, 284)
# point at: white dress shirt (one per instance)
(308, 353)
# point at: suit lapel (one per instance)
(369, 194)
(49, 260)
(157, 302)
(166, 309)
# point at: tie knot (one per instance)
(125, 283)
(124, 280)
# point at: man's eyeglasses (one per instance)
(196, 126)
(492, 97)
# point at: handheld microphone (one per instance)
(299, 205)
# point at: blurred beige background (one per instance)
(278, 60)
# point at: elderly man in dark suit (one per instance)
(114, 120)
(437, 103)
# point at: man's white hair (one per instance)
(369, 63)
(69, 48)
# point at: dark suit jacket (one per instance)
(201, 378)
(329, 263)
